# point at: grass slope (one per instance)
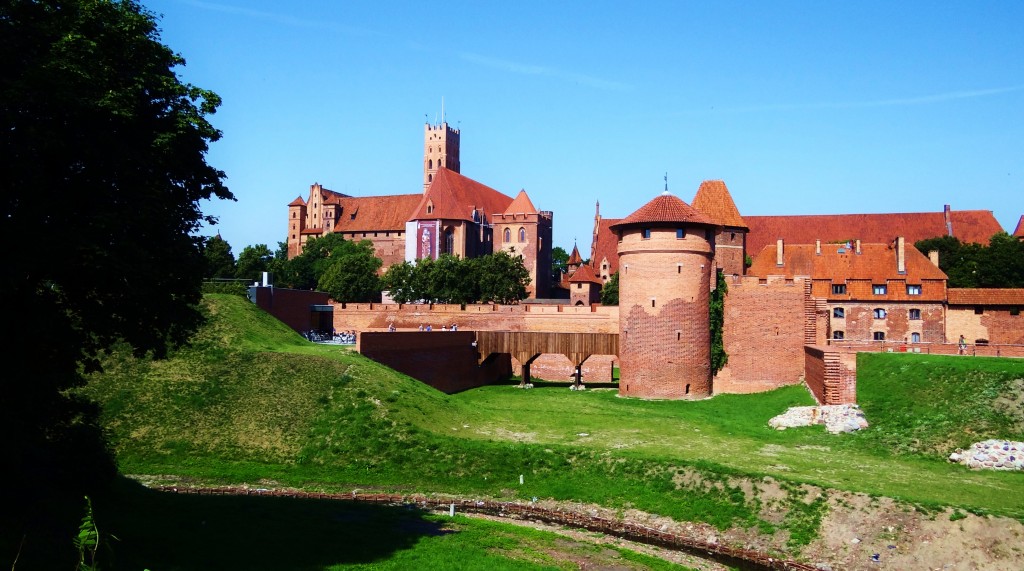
(251, 401)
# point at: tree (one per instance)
(350, 272)
(105, 163)
(610, 291)
(398, 280)
(220, 262)
(453, 280)
(502, 278)
(253, 261)
(559, 263)
(1000, 264)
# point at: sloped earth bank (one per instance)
(856, 531)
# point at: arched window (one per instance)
(430, 207)
(508, 235)
(915, 337)
(449, 241)
(522, 234)
(430, 164)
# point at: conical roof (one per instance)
(714, 200)
(521, 205)
(574, 258)
(664, 208)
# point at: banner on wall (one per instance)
(426, 238)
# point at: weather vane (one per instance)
(666, 181)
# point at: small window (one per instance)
(579, 286)
(915, 337)
(913, 290)
(647, 233)
(879, 313)
(839, 313)
(522, 234)
(840, 335)
(838, 289)
(879, 335)
(680, 233)
(878, 289)
(1014, 311)
(979, 310)
(430, 209)
(915, 314)
(508, 235)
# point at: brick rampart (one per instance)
(478, 317)
(995, 324)
(831, 375)
(446, 361)
(291, 306)
(972, 349)
(764, 335)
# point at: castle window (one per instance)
(449, 241)
(579, 286)
(522, 234)
(508, 235)
(430, 164)
(430, 178)
(293, 215)
(839, 313)
(1014, 311)
(913, 290)
(838, 289)
(430, 207)
(879, 313)
(647, 233)
(878, 335)
(878, 289)
(680, 233)
(652, 302)
(732, 235)
(838, 335)
(979, 310)
(915, 314)
(915, 337)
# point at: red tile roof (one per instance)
(714, 200)
(521, 205)
(454, 197)
(605, 245)
(373, 213)
(574, 257)
(1019, 232)
(979, 296)
(967, 225)
(664, 208)
(585, 275)
(297, 202)
(877, 262)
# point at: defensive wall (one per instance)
(994, 324)
(446, 360)
(831, 375)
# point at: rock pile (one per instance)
(992, 455)
(836, 418)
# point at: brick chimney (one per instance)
(901, 255)
(947, 219)
(778, 253)
(858, 247)
(933, 256)
(817, 247)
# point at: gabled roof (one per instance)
(605, 246)
(714, 200)
(1019, 232)
(297, 202)
(664, 208)
(967, 225)
(454, 197)
(574, 257)
(876, 262)
(521, 205)
(373, 213)
(585, 275)
(986, 296)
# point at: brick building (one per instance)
(453, 215)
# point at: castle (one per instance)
(453, 215)
(817, 290)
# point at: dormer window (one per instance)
(430, 207)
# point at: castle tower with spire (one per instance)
(666, 260)
(440, 149)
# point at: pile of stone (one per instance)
(836, 418)
(992, 455)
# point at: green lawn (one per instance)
(251, 401)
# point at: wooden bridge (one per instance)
(526, 347)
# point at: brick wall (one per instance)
(292, 306)
(994, 324)
(860, 323)
(596, 369)
(764, 335)
(831, 375)
(446, 361)
(481, 317)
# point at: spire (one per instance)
(666, 185)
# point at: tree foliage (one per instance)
(610, 291)
(498, 278)
(104, 170)
(350, 272)
(999, 264)
(253, 261)
(220, 262)
(559, 263)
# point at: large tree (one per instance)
(999, 264)
(350, 272)
(104, 169)
(253, 261)
(220, 262)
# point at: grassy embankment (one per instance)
(251, 401)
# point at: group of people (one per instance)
(454, 327)
(343, 338)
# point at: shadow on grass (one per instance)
(542, 384)
(167, 531)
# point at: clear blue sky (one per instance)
(800, 107)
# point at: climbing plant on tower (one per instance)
(717, 312)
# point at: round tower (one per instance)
(666, 260)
